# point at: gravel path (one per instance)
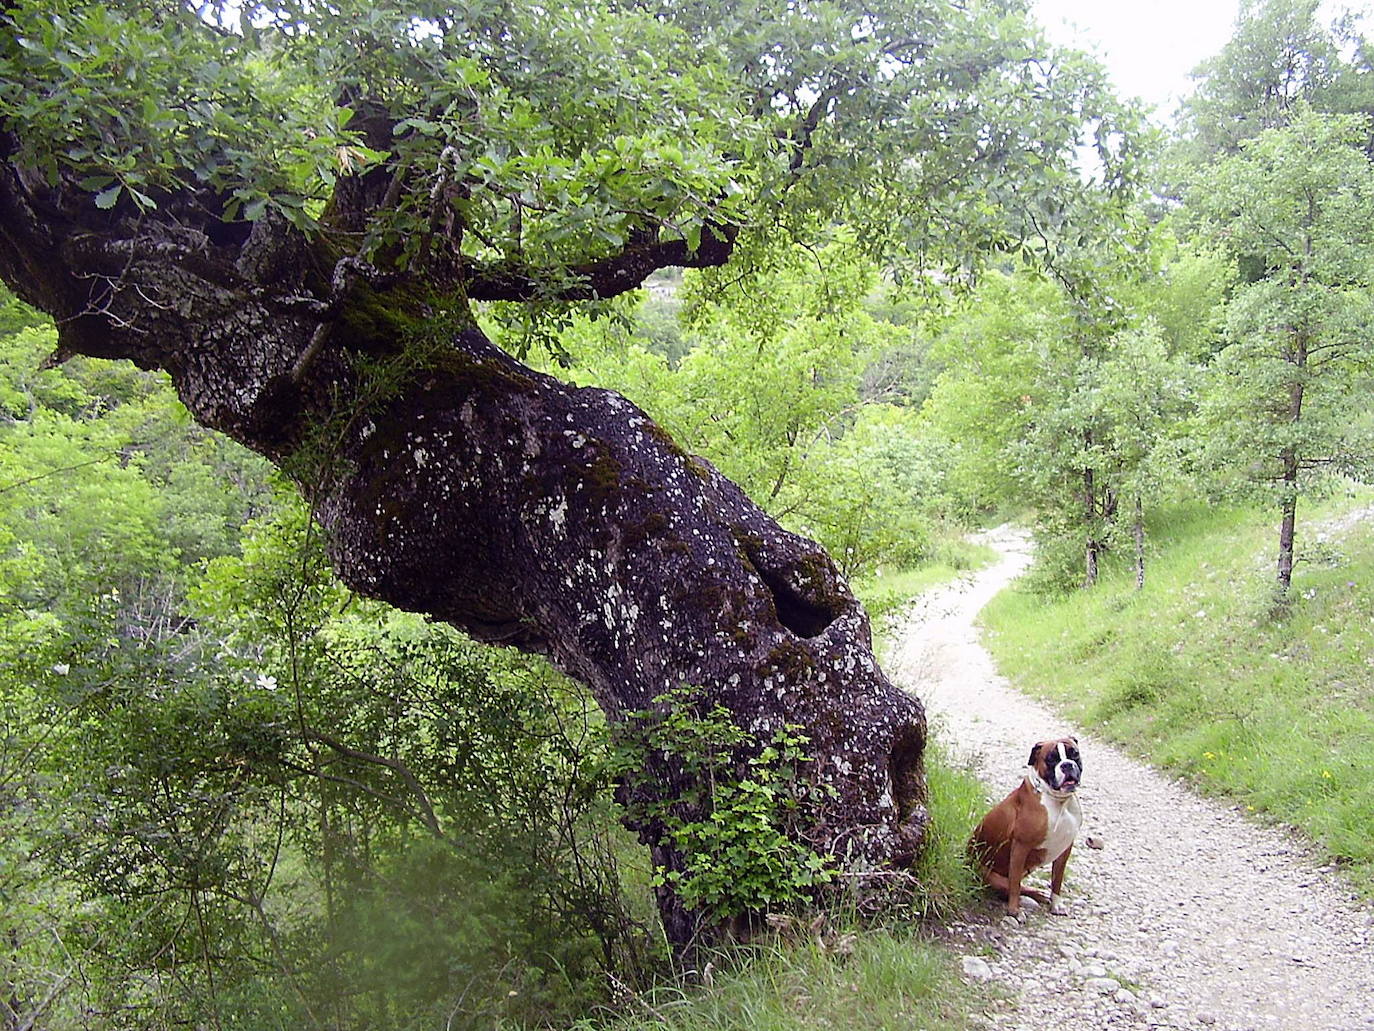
(1190, 917)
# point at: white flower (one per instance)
(62, 669)
(266, 682)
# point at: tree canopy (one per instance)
(1279, 59)
(512, 151)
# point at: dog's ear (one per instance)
(1073, 739)
(1035, 754)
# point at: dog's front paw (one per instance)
(1057, 907)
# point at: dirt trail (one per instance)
(1190, 917)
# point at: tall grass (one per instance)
(1202, 674)
(877, 980)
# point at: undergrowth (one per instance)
(1202, 674)
(842, 973)
(872, 980)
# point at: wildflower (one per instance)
(266, 682)
(62, 669)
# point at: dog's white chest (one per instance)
(1065, 817)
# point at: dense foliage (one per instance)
(524, 143)
(231, 792)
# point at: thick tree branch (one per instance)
(597, 280)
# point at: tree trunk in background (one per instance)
(1138, 530)
(14, 1006)
(454, 481)
(1297, 357)
(1091, 546)
(1287, 525)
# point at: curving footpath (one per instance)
(1190, 917)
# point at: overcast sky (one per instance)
(1149, 47)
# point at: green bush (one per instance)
(735, 817)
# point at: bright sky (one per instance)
(1149, 48)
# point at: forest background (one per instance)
(235, 795)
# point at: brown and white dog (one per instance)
(1033, 825)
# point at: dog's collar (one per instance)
(1039, 786)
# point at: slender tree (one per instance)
(1288, 391)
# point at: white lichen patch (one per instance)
(558, 516)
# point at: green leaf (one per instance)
(106, 199)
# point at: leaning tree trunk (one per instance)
(454, 481)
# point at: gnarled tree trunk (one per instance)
(454, 481)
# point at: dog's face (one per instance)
(1058, 763)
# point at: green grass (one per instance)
(957, 801)
(890, 974)
(876, 981)
(1201, 675)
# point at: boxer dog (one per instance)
(1033, 825)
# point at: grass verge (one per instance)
(879, 980)
(1200, 674)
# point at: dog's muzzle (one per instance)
(1066, 775)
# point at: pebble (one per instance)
(1105, 985)
(976, 968)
